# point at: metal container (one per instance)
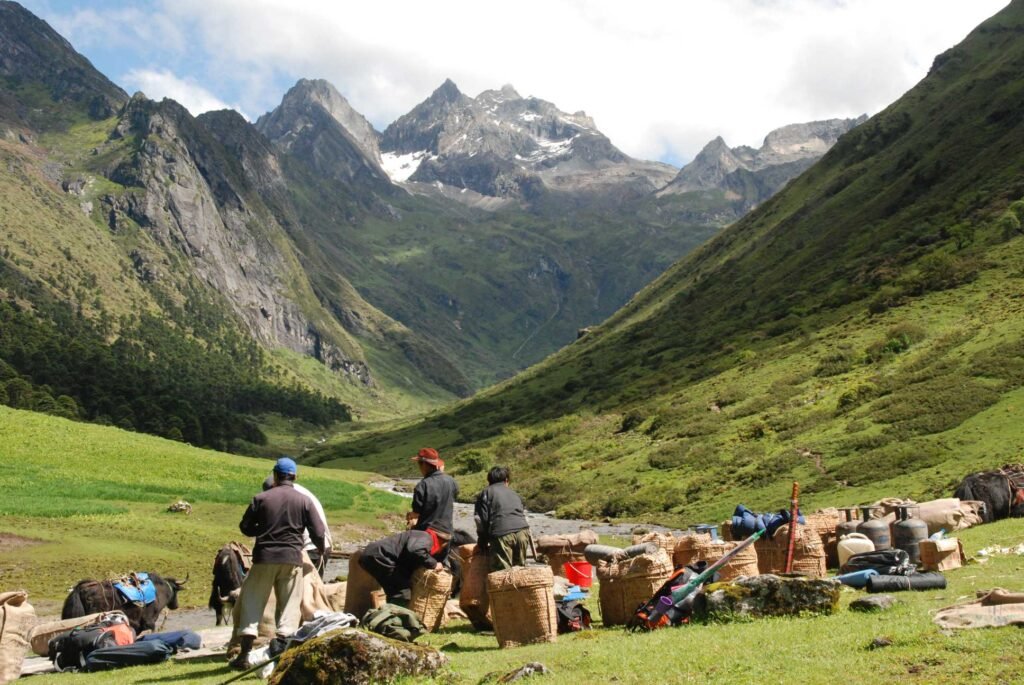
(876, 530)
(908, 533)
(706, 529)
(849, 525)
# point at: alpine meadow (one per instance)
(352, 280)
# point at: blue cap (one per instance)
(285, 465)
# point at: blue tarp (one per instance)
(145, 593)
(745, 522)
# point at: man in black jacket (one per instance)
(501, 522)
(392, 560)
(433, 499)
(277, 519)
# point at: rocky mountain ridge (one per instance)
(501, 144)
(795, 147)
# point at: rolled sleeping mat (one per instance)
(637, 550)
(596, 553)
(857, 579)
(915, 581)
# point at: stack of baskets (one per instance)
(628, 583)
(523, 606)
(473, 597)
(430, 593)
(808, 552)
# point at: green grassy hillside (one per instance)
(860, 332)
(84, 501)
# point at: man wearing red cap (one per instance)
(433, 500)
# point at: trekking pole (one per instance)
(252, 670)
(683, 591)
(794, 511)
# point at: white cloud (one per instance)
(660, 77)
(158, 84)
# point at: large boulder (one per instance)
(768, 595)
(354, 657)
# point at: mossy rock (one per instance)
(355, 657)
(767, 595)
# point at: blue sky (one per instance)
(660, 78)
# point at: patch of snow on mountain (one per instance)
(400, 167)
(529, 116)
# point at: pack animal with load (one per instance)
(1002, 491)
(230, 567)
(142, 597)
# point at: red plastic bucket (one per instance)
(579, 573)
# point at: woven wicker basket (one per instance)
(429, 594)
(360, 585)
(743, 564)
(473, 598)
(824, 523)
(522, 606)
(808, 552)
(559, 550)
(627, 584)
(665, 541)
(689, 549)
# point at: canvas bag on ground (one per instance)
(16, 619)
(42, 633)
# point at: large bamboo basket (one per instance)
(473, 599)
(522, 606)
(628, 583)
(808, 552)
(361, 585)
(690, 548)
(429, 595)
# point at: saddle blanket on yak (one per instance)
(137, 588)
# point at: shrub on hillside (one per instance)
(934, 406)
(898, 339)
(836, 363)
(1009, 225)
(886, 298)
(941, 271)
(669, 456)
(853, 398)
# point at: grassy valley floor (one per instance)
(86, 501)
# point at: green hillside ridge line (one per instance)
(848, 333)
(90, 501)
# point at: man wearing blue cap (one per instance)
(277, 518)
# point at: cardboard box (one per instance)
(942, 555)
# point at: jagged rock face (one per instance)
(197, 203)
(316, 124)
(717, 162)
(501, 144)
(32, 52)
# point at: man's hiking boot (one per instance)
(241, 662)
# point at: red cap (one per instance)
(430, 456)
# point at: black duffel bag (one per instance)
(915, 581)
(138, 654)
(887, 562)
